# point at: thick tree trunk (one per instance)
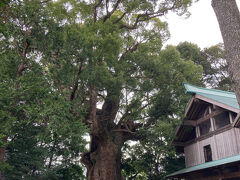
(104, 160)
(229, 21)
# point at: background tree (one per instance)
(216, 56)
(40, 137)
(213, 61)
(228, 17)
(154, 156)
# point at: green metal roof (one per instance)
(224, 97)
(207, 165)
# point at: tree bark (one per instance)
(228, 17)
(2, 153)
(103, 162)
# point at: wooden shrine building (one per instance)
(208, 136)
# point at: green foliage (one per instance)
(216, 55)
(35, 116)
(65, 51)
(192, 52)
(154, 157)
(213, 61)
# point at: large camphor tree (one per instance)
(228, 17)
(96, 62)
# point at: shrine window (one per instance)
(222, 120)
(207, 153)
(205, 127)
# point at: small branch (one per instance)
(107, 2)
(52, 154)
(147, 16)
(75, 87)
(123, 130)
(141, 18)
(134, 26)
(133, 177)
(119, 19)
(113, 10)
(122, 118)
(131, 49)
(46, 1)
(86, 160)
(27, 44)
(102, 96)
(125, 115)
(95, 10)
(93, 106)
(22, 66)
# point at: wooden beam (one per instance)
(189, 105)
(199, 121)
(190, 123)
(236, 121)
(181, 134)
(202, 119)
(224, 106)
(230, 117)
(197, 131)
(181, 144)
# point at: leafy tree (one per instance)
(190, 51)
(95, 62)
(216, 56)
(228, 17)
(213, 61)
(154, 156)
(37, 128)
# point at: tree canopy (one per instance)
(214, 63)
(70, 67)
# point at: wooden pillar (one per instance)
(197, 131)
(213, 127)
(230, 117)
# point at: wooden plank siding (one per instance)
(223, 145)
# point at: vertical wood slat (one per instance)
(230, 117)
(222, 145)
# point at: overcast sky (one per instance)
(200, 28)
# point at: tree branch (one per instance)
(107, 2)
(75, 87)
(95, 10)
(110, 108)
(123, 130)
(131, 49)
(22, 66)
(147, 16)
(45, 1)
(141, 18)
(93, 110)
(119, 19)
(125, 115)
(100, 95)
(113, 10)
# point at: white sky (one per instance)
(200, 28)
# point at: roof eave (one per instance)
(224, 106)
(211, 164)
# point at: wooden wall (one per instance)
(223, 145)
